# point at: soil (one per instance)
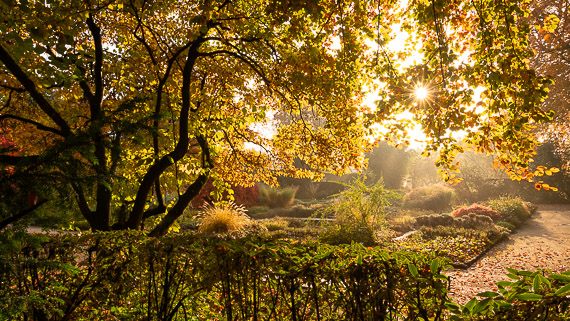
(543, 242)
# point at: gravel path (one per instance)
(543, 242)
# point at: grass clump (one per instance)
(224, 217)
(437, 198)
(277, 197)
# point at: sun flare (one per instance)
(421, 93)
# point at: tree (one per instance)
(130, 106)
(550, 39)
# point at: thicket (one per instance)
(129, 276)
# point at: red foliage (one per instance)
(246, 196)
(477, 209)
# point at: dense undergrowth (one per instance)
(129, 276)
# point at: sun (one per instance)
(421, 92)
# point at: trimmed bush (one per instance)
(437, 198)
(129, 276)
(434, 220)
(477, 210)
(343, 234)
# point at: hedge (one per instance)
(129, 276)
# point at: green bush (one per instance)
(513, 209)
(129, 276)
(458, 244)
(276, 224)
(344, 234)
(277, 197)
(507, 225)
(437, 198)
(358, 212)
(538, 295)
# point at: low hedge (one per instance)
(128, 276)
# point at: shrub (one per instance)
(347, 234)
(437, 198)
(277, 197)
(434, 220)
(478, 210)
(358, 212)
(223, 218)
(507, 225)
(513, 209)
(473, 221)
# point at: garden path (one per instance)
(543, 242)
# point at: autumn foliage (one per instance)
(478, 210)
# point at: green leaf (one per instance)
(488, 294)
(481, 306)
(536, 284)
(526, 273)
(558, 277)
(434, 265)
(413, 270)
(529, 297)
(563, 290)
(544, 280)
(504, 283)
(512, 271)
(469, 306)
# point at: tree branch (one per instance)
(191, 192)
(181, 147)
(14, 160)
(16, 217)
(32, 122)
(98, 96)
(31, 88)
